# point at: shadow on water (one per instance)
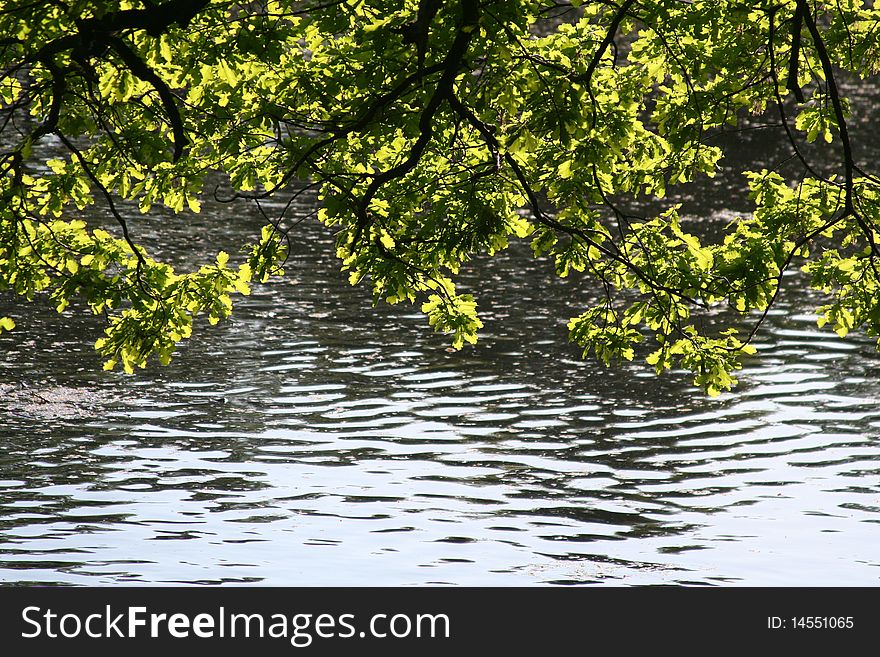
(315, 440)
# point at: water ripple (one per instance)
(315, 440)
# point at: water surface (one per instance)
(315, 440)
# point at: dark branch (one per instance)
(443, 91)
(59, 86)
(587, 76)
(792, 83)
(417, 31)
(154, 20)
(834, 94)
(136, 65)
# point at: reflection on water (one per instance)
(313, 440)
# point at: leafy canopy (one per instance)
(431, 132)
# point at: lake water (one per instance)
(315, 440)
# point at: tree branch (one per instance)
(443, 91)
(792, 83)
(834, 94)
(136, 65)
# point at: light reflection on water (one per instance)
(314, 440)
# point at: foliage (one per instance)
(431, 132)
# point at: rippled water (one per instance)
(315, 440)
